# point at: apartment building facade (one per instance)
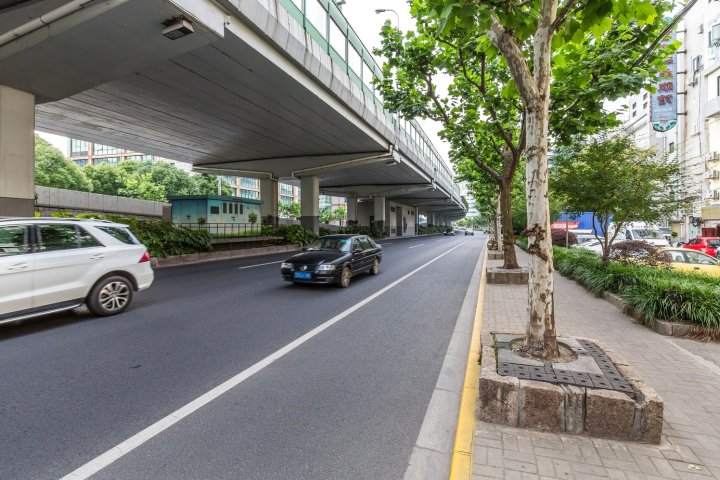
(694, 140)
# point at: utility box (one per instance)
(213, 209)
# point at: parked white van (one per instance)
(641, 231)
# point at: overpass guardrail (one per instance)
(326, 24)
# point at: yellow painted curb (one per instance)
(461, 465)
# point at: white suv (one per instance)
(50, 264)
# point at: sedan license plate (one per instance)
(302, 275)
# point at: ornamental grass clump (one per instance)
(675, 299)
(651, 292)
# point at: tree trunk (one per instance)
(498, 223)
(508, 240)
(541, 335)
(534, 87)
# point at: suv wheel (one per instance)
(110, 296)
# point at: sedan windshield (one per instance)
(339, 244)
(713, 243)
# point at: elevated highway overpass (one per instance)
(271, 89)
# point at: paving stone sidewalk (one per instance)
(685, 373)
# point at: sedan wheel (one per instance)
(375, 269)
(110, 296)
(345, 278)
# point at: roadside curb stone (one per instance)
(609, 414)
(515, 276)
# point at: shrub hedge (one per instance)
(164, 238)
(430, 229)
(651, 292)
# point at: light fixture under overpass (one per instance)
(177, 27)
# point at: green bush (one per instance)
(362, 230)
(297, 235)
(650, 292)
(163, 238)
(430, 229)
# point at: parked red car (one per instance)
(708, 245)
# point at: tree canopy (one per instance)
(564, 58)
(150, 181)
(617, 182)
(53, 169)
(289, 210)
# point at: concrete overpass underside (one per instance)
(246, 94)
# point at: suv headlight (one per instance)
(326, 268)
(286, 265)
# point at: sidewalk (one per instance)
(685, 373)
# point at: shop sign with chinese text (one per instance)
(663, 107)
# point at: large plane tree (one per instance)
(508, 56)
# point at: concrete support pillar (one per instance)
(17, 153)
(379, 213)
(269, 198)
(417, 220)
(432, 220)
(310, 203)
(352, 207)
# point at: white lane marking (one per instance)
(122, 449)
(419, 245)
(260, 265)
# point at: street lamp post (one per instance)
(383, 10)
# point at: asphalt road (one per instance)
(346, 403)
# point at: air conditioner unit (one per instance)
(715, 35)
(697, 64)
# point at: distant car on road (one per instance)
(470, 231)
(50, 265)
(449, 231)
(334, 259)
(707, 245)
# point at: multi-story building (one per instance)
(695, 139)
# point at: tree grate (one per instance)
(609, 378)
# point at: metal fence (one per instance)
(227, 230)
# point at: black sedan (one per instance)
(334, 259)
